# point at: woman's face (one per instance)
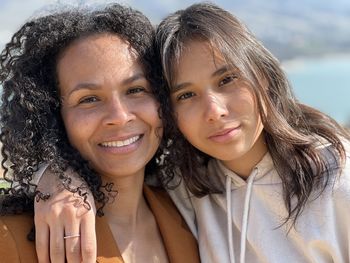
(216, 109)
(108, 109)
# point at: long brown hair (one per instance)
(293, 132)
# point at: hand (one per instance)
(64, 214)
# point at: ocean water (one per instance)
(323, 83)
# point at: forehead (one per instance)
(198, 55)
(98, 56)
(201, 49)
(99, 47)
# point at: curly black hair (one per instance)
(32, 130)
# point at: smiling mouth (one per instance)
(224, 132)
(122, 143)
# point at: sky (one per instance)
(13, 13)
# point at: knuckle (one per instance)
(55, 212)
(64, 211)
(40, 212)
(69, 211)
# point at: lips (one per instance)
(224, 135)
(223, 132)
(121, 142)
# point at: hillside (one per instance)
(288, 28)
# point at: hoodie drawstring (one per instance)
(250, 183)
(229, 219)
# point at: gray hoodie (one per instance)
(244, 224)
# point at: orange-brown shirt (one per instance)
(180, 245)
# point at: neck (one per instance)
(244, 165)
(129, 204)
(132, 223)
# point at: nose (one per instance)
(215, 107)
(117, 112)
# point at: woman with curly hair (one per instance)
(80, 90)
(264, 177)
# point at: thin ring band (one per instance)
(71, 236)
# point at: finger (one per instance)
(42, 236)
(88, 238)
(72, 240)
(57, 251)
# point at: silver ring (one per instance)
(71, 236)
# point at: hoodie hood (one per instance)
(217, 169)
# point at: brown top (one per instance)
(180, 245)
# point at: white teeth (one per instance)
(121, 143)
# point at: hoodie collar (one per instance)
(265, 166)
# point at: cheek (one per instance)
(251, 110)
(187, 117)
(186, 123)
(72, 132)
(149, 110)
(150, 113)
(77, 126)
(244, 103)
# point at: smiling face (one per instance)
(216, 109)
(108, 109)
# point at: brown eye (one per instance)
(135, 90)
(186, 95)
(227, 79)
(89, 99)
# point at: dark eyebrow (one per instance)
(216, 73)
(180, 86)
(84, 85)
(133, 78)
(94, 86)
(220, 71)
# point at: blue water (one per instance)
(324, 84)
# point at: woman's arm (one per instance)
(63, 214)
